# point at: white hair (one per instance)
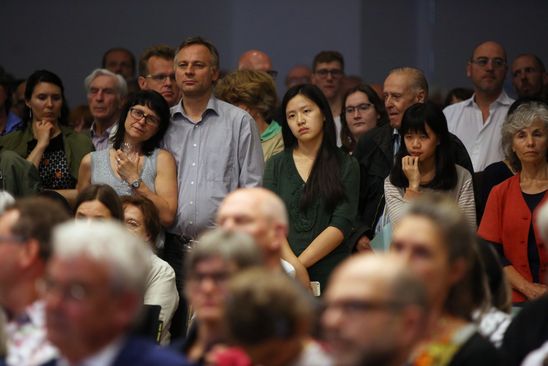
(6, 199)
(121, 84)
(108, 242)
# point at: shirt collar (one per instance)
(503, 99)
(106, 133)
(272, 130)
(178, 111)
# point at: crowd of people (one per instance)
(187, 216)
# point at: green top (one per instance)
(272, 130)
(281, 176)
(76, 145)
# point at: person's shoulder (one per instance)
(455, 107)
(142, 352)
(477, 350)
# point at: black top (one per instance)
(533, 200)
(476, 351)
(527, 332)
(492, 175)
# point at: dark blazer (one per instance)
(141, 352)
(374, 152)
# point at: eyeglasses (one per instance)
(161, 77)
(150, 119)
(72, 292)
(359, 306)
(482, 62)
(335, 73)
(360, 108)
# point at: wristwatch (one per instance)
(136, 183)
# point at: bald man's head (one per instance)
(257, 212)
(255, 60)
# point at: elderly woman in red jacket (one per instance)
(509, 219)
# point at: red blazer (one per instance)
(506, 221)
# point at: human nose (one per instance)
(530, 140)
(331, 317)
(300, 118)
(49, 102)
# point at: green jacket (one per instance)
(76, 145)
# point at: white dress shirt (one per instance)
(481, 139)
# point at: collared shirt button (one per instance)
(190, 222)
(195, 145)
(192, 182)
(193, 164)
(191, 202)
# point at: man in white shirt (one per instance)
(477, 121)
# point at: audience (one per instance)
(156, 72)
(25, 229)
(142, 218)
(134, 164)
(429, 308)
(328, 74)
(46, 140)
(508, 221)
(362, 111)
(106, 93)
(218, 256)
(477, 121)
(271, 318)
(93, 295)
(438, 244)
(255, 92)
(376, 311)
(316, 181)
(424, 163)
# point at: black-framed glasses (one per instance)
(150, 119)
(360, 108)
(161, 77)
(335, 73)
(72, 292)
(216, 277)
(497, 62)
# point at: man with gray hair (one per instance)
(375, 313)
(106, 93)
(94, 294)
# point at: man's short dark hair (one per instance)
(537, 59)
(204, 42)
(104, 62)
(38, 216)
(160, 51)
(328, 56)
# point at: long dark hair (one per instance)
(158, 104)
(104, 194)
(347, 139)
(415, 119)
(324, 180)
(45, 76)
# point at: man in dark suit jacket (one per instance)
(376, 149)
(94, 292)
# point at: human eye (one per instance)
(290, 116)
(538, 133)
(520, 134)
(182, 65)
(132, 223)
(364, 106)
(498, 62)
(482, 61)
(349, 110)
(152, 120)
(56, 97)
(199, 65)
(41, 96)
